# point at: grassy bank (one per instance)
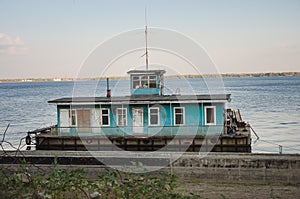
(236, 190)
(72, 183)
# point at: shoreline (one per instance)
(225, 75)
(218, 166)
(216, 175)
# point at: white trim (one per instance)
(171, 116)
(118, 116)
(183, 116)
(149, 116)
(214, 113)
(142, 102)
(108, 114)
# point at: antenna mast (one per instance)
(146, 37)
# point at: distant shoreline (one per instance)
(225, 75)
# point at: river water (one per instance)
(270, 104)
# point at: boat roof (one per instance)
(158, 71)
(145, 99)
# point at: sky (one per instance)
(54, 38)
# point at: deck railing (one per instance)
(141, 131)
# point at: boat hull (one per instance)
(221, 143)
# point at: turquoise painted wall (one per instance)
(194, 119)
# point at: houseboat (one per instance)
(145, 120)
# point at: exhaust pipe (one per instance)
(108, 95)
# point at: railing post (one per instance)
(280, 149)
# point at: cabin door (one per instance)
(137, 120)
(83, 121)
(64, 121)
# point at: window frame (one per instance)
(122, 114)
(144, 81)
(73, 116)
(152, 79)
(214, 115)
(183, 116)
(108, 115)
(149, 116)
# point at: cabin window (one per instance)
(154, 116)
(179, 115)
(121, 116)
(73, 118)
(210, 115)
(145, 81)
(105, 117)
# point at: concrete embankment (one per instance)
(243, 167)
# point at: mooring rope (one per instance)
(280, 146)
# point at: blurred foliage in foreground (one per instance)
(73, 183)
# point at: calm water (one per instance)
(270, 104)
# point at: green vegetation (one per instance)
(72, 183)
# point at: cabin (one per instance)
(146, 112)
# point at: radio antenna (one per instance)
(146, 37)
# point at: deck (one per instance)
(222, 143)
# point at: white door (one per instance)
(95, 120)
(137, 120)
(64, 120)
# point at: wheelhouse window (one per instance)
(135, 82)
(210, 115)
(179, 116)
(121, 116)
(145, 81)
(152, 81)
(105, 117)
(154, 116)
